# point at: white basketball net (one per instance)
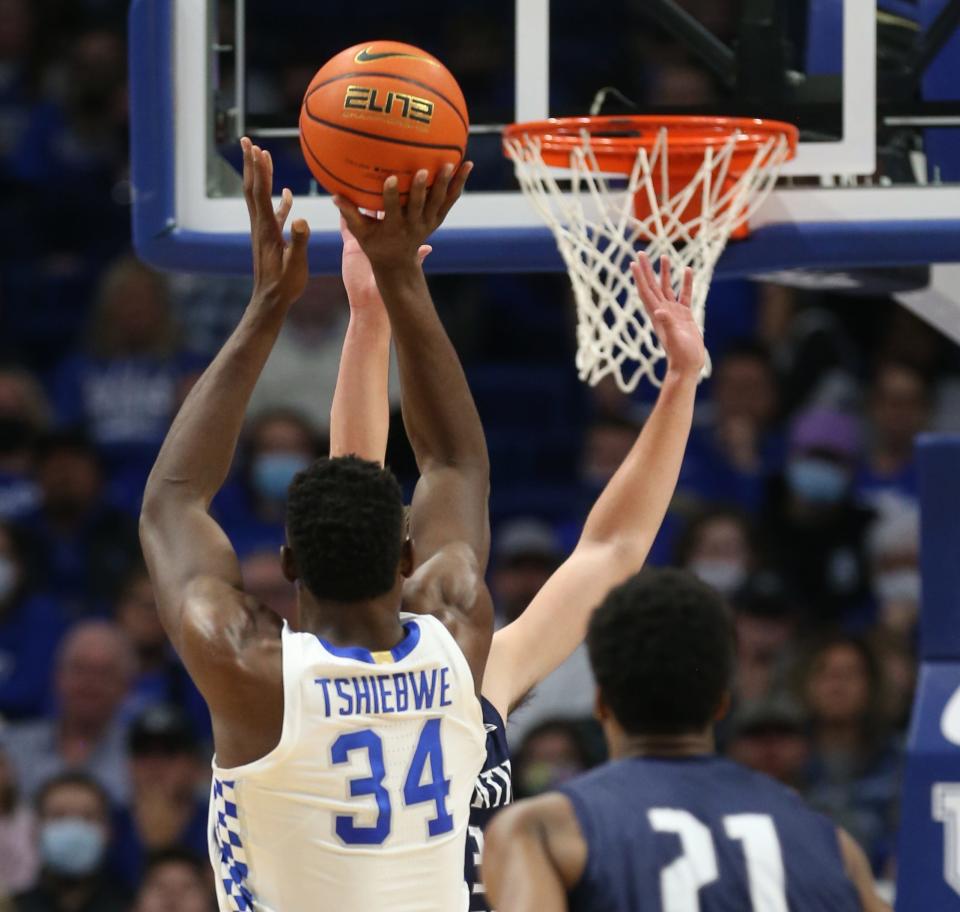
(598, 235)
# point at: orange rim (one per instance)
(613, 139)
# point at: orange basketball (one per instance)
(377, 109)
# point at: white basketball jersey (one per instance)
(363, 805)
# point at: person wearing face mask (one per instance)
(893, 544)
(813, 528)
(73, 834)
(717, 547)
(280, 443)
(31, 627)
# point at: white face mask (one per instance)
(898, 586)
(725, 576)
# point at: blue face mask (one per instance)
(817, 480)
(71, 846)
(273, 472)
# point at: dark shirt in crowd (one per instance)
(30, 632)
(106, 897)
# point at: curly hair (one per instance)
(345, 523)
(661, 647)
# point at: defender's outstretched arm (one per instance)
(449, 522)
(625, 519)
(183, 546)
(360, 414)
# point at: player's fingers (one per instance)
(455, 189)
(649, 276)
(665, 284)
(345, 231)
(642, 275)
(248, 171)
(423, 253)
(282, 211)
(350, 215)
(686, 289)
(438, 193)
(261, 184)
(299, 237)
(418, 196)
(391, 199)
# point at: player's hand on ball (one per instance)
(357, 272)
(396, 239)
(672, 319)
(280, 270)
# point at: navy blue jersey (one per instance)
(702, 834)
(493, 791)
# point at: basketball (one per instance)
(377, 109)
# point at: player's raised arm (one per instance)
(449, 522)
(534, 854)
(186, 551)
(360, 413)
(625, 519)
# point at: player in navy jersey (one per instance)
(666, 825)
(616, 537)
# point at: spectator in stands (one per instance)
(18, 76)
(74, 817)
(78, 146)
(160, 677)
(526, 554)
(92, 677)
(166, 810)
(279, 443)
(770, 736)
(263, 579)
(552, 752)
(900, 408)
(893, 544)
(897, 657)
(24, 416)
(732, 456)
(813, 530)
(854, 773)
(126, 387)
(175, 881)
(767, 622)
(81, 547)
(301, 372)
(717, 547)
(19, 861)
(608, 440)
(31, 627)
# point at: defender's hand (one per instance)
(280, 270)
(395, 239)
(673, 320)
(357, 272)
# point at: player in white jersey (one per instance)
(346, 746)
(616, 537)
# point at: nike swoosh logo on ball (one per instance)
(368, 56)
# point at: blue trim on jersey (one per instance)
(358, 653)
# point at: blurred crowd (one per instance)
(797, 499)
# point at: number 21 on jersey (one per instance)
(682, 880)
(427, 760)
